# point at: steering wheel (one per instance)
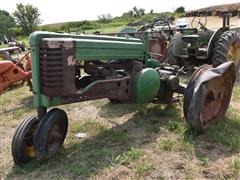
(163, 23)
(199, 21)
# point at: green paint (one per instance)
(145, 85)
(95, 49)
(152, 63)
(88, 47)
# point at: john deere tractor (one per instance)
(194, 46)
(70, 68)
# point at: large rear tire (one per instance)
(170, 58)
(227, 48)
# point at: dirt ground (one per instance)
(126, 141)
(214, 22)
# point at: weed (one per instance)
(143, 168)
(173, 126)
(129, 156)
(166, 145)
(204, 161)
(186, 147)
(236, 164)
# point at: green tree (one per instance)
(105, 18)
(27, 17)
(6, 23)
(180, 9)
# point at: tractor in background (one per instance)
(192, 47)
(159, 32)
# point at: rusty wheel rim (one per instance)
(187, 95)
(207, 102)
(28, 141)
(216, 99)
(55, 138)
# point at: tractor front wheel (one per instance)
(22, 143)
(227, 48)
(50, 134)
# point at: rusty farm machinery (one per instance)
(70, 68)
(14, 72)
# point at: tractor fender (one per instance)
(213, 39)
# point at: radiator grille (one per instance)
(51, 68)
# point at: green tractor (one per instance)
(194, 47)
(70, 68)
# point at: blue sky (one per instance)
(53, 11)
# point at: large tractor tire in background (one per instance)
(227, 48)
(171, 57)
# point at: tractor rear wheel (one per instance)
(50, 134)
(227, 48)
(208, 94)
(170, 58)
(22, 143)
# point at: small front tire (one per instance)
(50, 134)
(22, 142)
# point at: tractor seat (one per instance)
(5, 66)
(190, 38)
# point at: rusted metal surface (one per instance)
(208, 95)
(55, 138)
(158, 47)
(57, 75)
(14, 73)
(60, 75)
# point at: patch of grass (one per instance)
(187, 147)
(173, 126)
(92, 127)
(171, 111)
(99, 103)
(227, 130)
(143, 168)
(153, 126)
(128, 156)
(236, 164)
(166, 145)
(236, 92)
(204, 161)
(116, 136)
(3, 101)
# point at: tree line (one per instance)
(26, 19)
